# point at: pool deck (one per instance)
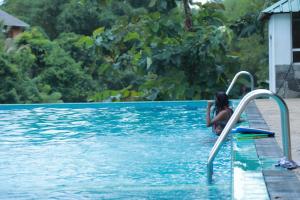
(271, 115)
(264, 114)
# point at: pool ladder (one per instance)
(236, 77)
(285, 126)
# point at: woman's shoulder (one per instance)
(230, 109)
(227, 109)
(223, 112)
(226, 112)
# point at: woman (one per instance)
(221, 115)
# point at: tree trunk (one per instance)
(188, 22)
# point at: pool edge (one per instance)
(280, 183)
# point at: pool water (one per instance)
(110, 151)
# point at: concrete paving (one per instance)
(280, 183)
(271, 114)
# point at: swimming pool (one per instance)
(110, 151)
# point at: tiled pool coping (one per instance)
(248, 180)
(280, 183)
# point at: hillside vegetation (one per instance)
(108, 50)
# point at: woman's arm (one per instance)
(220, 116)
(208, 121)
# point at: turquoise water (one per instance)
(110, 151)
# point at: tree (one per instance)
(80, 17)
(188, 15)
(38, 13)
(121, 50)
(54, 70)
(250, 41)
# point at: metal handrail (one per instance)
(285, 126)
(237, 76)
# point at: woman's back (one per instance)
(223, 113)
(224, 116)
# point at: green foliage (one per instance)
(54, 73)
(43, 13)
(235, 11)
(80, 17)
(249, 42)
(253, 57)
(107, 50)
(125, 94)
(16, 86)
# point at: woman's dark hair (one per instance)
(221, 101)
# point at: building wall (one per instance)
(14, 31)
(280, 52)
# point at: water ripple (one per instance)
(110, 152)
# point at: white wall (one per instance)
(280, 44)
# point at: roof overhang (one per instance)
(282, 6)
(9, 20)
